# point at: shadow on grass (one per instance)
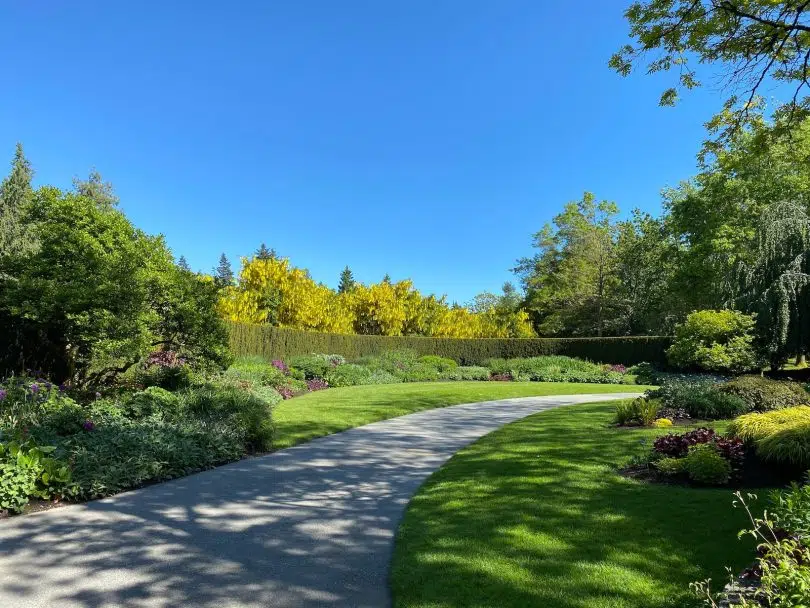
(535, 515)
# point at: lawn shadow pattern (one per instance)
(312, 525)
(536, 515)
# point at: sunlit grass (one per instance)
(337, 409)
(536, 515)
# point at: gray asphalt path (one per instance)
(308, 526)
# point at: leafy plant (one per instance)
(348, 375)
(756, 426)
(715, 340)
(440, 364)
(149, 401)
(637, 411)
(790, 510)
(27, 471)
(762, 394)
(705, 465)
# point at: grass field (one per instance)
(535, 514)
(337, 409)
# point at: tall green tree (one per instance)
(775, 284)
(223, 273)
(263, 253)
(96, 189)
(570, 282)
(347, 281)
(16, 233)
(749, 43)
(182, 263)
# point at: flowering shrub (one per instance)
(281, 366)
(316, 384)
(504, 377)
(286, 392)
(617, 369)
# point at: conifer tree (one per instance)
(16, 236)
(94, 187)
(223, 274)
(183, 264)
(346, 281)
(263, 253)
(387, 278)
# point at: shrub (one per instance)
(440, 364)
(762, 394)
(256, 370)
(466, 373)
(753, 427)
(790, 509)
(165, 369)
(348, 375)
(316, 365)
(380, 376)
(282, 343)
(705, 465)
(637, 411)
(662, 423)
(316, 384)
(715, 340)
(252, 415)
(150, 401)
(292, 387)
(670, 466)
(122, 454)
(700, 398)
(555, 369)
(677, 446)
(419, 373)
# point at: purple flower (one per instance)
(2, 394)
(316, 384)
(62, 388)
(286, 392)
(35, 388)
(281, 366)
(88, 425)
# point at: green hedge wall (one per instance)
(277, 343)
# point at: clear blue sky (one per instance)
(427, 139)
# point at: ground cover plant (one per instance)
(536, 514)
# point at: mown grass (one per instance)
(337, 409)
(536, 514)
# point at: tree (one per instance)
(223, 273)
(776, 283)
(16, 233)
(570, 283)
(753, 40)
(387, 278)
(263, 253)
(96, 189)
(182, 263)
(347, 281)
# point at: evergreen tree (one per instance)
(95, 188)
(223, 274)
(387, 278)
(183, 264)
(263, 253)
(16, 235)
(346, 281)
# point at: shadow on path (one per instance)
(311, 525)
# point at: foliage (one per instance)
(756, 426)
(762, 394)
(466, 373)
(677, 445)
(775, 284)
(789, 445)
(28, 470)
(700, 397)
(16, 234)
(705, 465)
(753, 40)
(258, 370)
(279, 343)
(223, 273)
(316, 365)
(662, 423)
(790, 510)
(440, 364)
(555, 369)
(348, 375)
(638, 411)
(715, 341)
(347, 281)
(152, 400)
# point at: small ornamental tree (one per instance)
(715, 340)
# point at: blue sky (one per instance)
(424, 139)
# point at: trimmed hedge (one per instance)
(279, 343)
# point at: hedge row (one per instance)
(278, 343)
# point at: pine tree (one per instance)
(16, 236)
(387, 278)
(223, 274)
(183, 264)
(96, 188)
(346, 281)
(263, 253)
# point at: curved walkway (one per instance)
(311, 525)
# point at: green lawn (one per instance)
(535, 515)
(337, 409)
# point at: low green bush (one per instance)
(349, 375)
(440, 364)
(789, 445)
(418, 372)
(762, 394)
(790, 509)
(700, 398)
(705, 465)
(256, 370)
(244, 410)
(466, 373)
(27, 471)
(555, 369)
(150, 401)
(716, 341)
(756, 426)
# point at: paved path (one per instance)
(311, 525)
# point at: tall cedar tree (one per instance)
(16, 235)
(183, 264)
(223, 273)
(346, 281)
(263, 253)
